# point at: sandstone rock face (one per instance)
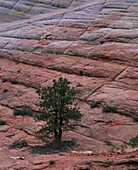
(94, 44)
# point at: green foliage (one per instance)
(57, 109)
(4, 80)
(5, 90)
(18, 144)
(52, 162)
(2, 122)
(101, 42)
(14, 82)
(38, 89)
(79, 85)
(108, 143)
(123, 147)
(134, 141)
(95, 104)
(114, 146)
(108, 108)
(135, 118)
(22, 111)
(81, 72)
(109, 162)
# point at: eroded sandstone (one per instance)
(94, 44)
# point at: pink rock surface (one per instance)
(94, 45)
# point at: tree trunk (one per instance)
(60, 129)
(55, 133)
(60, 134)
(55, 130)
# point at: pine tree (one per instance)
(57, 109)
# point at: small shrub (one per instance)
(17, 62)
(14, 82)
(108, 108)
(108, 143)
(81, 73)
(19, 71)
(109, 162)
(2, 122)
(134, 141)
(4, 80)
(135, 118)
(79, 85)
(123, 147)
(23, 111)
(88, 74)
(9, 136)
(73, 143)
(101, 42)
(95, 104)
(113, 146)
(52, 162)
(5, 90)
(61, 154)
(38, 90)
(18, 144)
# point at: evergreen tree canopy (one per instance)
(57, 108)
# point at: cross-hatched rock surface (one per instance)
(92, 43)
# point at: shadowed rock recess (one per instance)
(92, 43)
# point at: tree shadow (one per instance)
(54, 147)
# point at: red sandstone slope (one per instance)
(94, 45)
